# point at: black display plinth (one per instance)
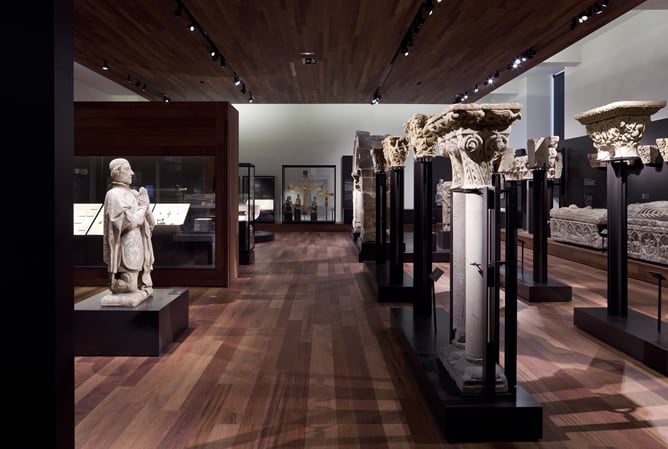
(532, 291)
(378, 276)
(264, 236)
(462, 419)
(635, 334)
(443, 240)
(144, 330)
(367, 251)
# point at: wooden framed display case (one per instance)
(247, 213)
(309, 194)
(265, 198)
(186, 155)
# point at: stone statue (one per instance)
(298, 208)
(127, 250)
(287, 210)
(443, 191)
(314, 209)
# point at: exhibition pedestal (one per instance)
(550, 291)
(144, 330)
(635, 334)
(378, 276)
(504, 418)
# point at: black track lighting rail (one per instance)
(214, 52)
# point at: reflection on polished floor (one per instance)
(298, 353)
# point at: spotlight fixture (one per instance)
(243, 88)
(104, 65)
(166, 99)
(250, 97)
(214, 54)
(376, 97)
(222, 61)
(237, 81)
(143, 88)
(475, 89)
(191, 27)
(129, 79)
(490, 79)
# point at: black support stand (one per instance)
(422, 237)
(540, 288)
(381, 217)
(627, 330)
(388, 280)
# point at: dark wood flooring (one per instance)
(297, 353)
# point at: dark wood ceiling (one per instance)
(356, 43)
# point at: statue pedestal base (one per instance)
(550, 291)
(143, 330)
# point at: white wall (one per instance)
(626, 62)
(271, 135)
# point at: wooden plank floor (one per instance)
(297, 353)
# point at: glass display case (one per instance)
(309, 194)
(247, 213)
(265, 194)
(181, 191)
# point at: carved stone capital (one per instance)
(662, 145)
(616, 128)
(420, 139)
(395, 149)
(648, 154)
(449, 146)
(377, 154)
(479, 133)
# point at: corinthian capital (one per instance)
(616, 128)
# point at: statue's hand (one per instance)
(142, 197)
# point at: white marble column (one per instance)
(449, 148)
(479, 133)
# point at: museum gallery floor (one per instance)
(299, 353)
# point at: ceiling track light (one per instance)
(376, 96)
(214, 53)
(166, 99)
(105, 66)
(143, 88)
(250, 97)
(129, 79)
(594, 9)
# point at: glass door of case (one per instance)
(309, 194)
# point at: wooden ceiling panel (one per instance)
(354, 41)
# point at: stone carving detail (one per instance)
(647, 228)
(420, 138)
(662, 145)
(443, 191)
(648, 154)
(367, 179)
(358, 210)
(648, 231)
(377, 153)
(616, 128)
(395, 149)
(449, 149)
(580, 226)
(542, 154)
(480, 134)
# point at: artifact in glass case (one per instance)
(84, 216)
(314, 185)
(181, 193)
